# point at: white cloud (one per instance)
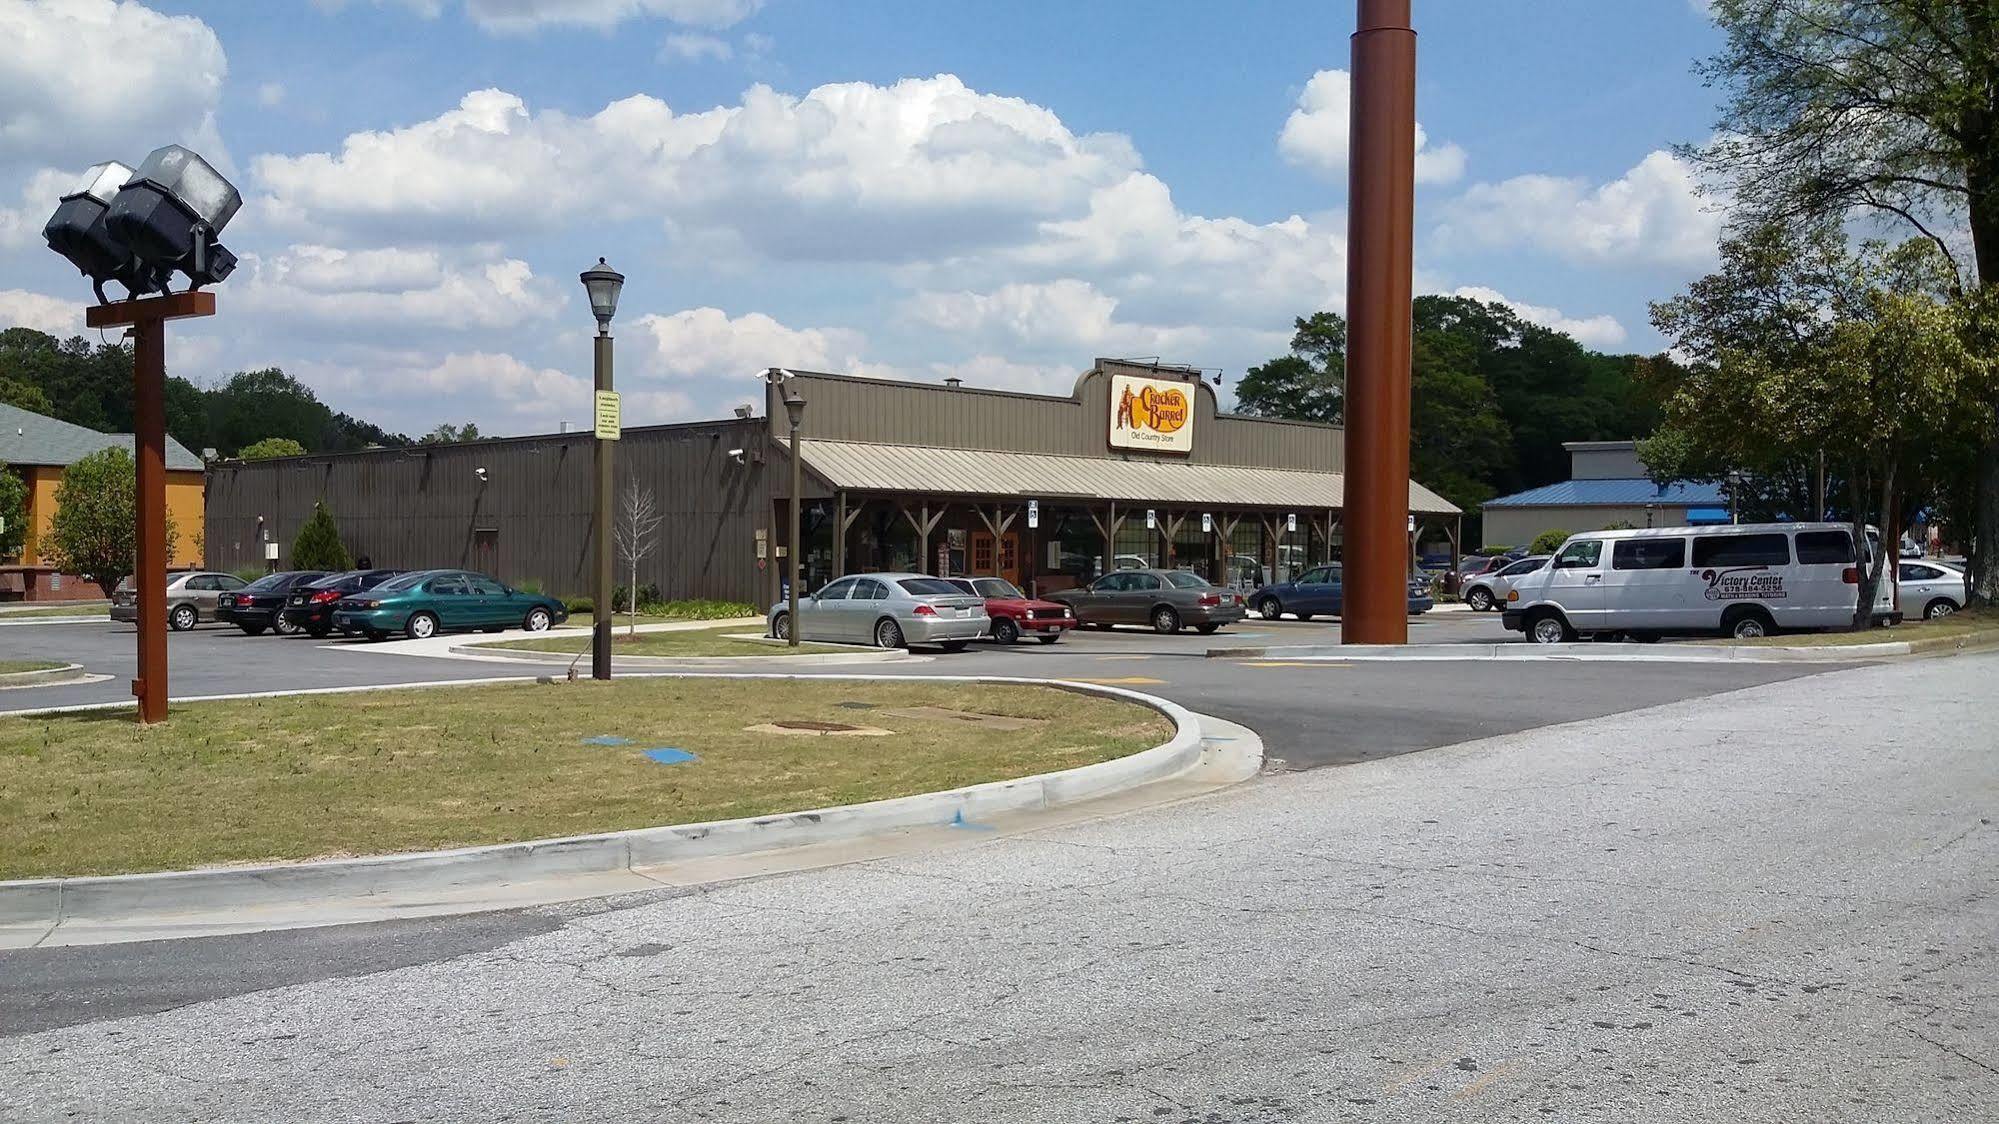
(22, 309)
(1651, 215)
(88, 80)
(270, 94)
(417, 287)
(22, 226)
(848, 171)
(1066, 314)
(519, 16)
(693, 46)
(1600, 332)
(997, 373)
(707, 343)
(1315, 135)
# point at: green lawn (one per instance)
(680, 642)
(11, 667)
(378, 772)
(78, 609)
(1973, 626)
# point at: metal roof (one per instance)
(866, 467)
(1634, 492)
(27, 437)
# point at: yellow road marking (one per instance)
(1485, 1079)
(1127, 681)
(1296, 663)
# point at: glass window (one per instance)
(1770, 549)
(868, 589)
(964, 584)
(228, 582)
(1181, 579)
(999, 588)
(487, 587)
(1825, 548)
(1529, 565)
(1644, 554)
(1583, 555)
(1317, 574)
(1142, 581)
(201, 581)
(839, 591)
(927, 587)
(1914, 573)
(1110, 583)
(446, 587)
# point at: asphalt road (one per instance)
(1738, 908)
(1308, 714)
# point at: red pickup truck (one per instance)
(1015, 614)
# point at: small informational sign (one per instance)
(1151, 519)
(270, 552)
(1033, 514)
(1412, 524)
(763, 544)
(1152, 415)
(55, 582)
(1291, 521)
(1207, 524)
(610, 415)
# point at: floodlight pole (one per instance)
(148, 320)
(1380, 247)
(600, 629)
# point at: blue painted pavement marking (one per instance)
(958, 820)
(671, 756)
(607, 739)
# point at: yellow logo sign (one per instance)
(1153, 415)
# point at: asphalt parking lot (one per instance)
(1309, 714)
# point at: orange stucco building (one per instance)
(37, 448)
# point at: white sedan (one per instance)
(1930, 589)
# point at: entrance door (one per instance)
(990, 557)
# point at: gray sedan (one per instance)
(1929, 589)
(886, 610)
(190, 598)
(1165, 599)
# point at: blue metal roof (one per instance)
(1635, 492)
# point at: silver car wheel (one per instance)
(1549, 630)
(888, 634)
(182, 618)
(423, 626)
(1480, 599)
(537, 620)
(780, 627)
(283, 627)
(1748, 628)
(1940, 609)
(1270, 608)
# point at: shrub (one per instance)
(249, 573)
(318, 545)
(621, 597)
(530, 585)
(1548, 542)
(579, 606)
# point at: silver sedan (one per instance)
(887, 611)
(1929, 589)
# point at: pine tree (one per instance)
(318, 545)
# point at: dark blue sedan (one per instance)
(1316, 592)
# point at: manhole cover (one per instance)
(808, 729)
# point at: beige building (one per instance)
(1607, 487)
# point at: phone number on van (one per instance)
(1748, 581)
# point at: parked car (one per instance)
(259, 605)
(422, 603)
(1013, 613)
(886, 610)
(191, 598)
(1930, 588)
(1317, 592)
(1488, 590)
(310, 607)
(1166, 599)
(1743, 580)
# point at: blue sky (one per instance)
(913, 190)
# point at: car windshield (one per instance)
(927, 587)
(335, 581)
(997, 587)
(405, 581)
(963, 585)
(1181, 579)
(270, 581)
(1524, 566)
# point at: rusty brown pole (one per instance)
(148, 320)
(1380, 235)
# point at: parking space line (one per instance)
(1299, 663)
(1127, 681)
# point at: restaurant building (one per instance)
(1136, 466)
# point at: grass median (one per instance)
(1970, 626)
(312, 776)
(101, 609)
(722, 641)
(16, 667)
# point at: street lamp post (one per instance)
(603, 284)
(794, 411)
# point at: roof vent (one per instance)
(954, 382)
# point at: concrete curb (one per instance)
(106, 619)
(130, 899)
(62, 674)
(491, 650)
(1573, 653)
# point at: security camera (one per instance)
(480, 473)
(738, 456)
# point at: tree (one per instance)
(1887, 108)
(95, 529)
(1310, 383)
(26, 395)
(1548, 542)
(271, 447)
(635, 533)
(318, 545)
(446, 434)
(13, 513)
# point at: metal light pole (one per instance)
(1380, 239)
(603, 284)
(794, 410)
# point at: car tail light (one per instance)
(370, 604)
(925, 611)
(1850, 576)
(1210, 599)
(325, 595)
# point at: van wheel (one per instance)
(1480, 599)
(1749, 624)
(1550, 628)
(1941, 607)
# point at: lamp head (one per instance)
(794, 405)
(603, 284)
(79, 233)
(171, 211)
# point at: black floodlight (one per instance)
(603, 284)
(78, 232)
(172, 211)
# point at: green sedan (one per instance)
(426, 602)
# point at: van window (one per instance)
(1743, 550)
(1648, 554)
(1582, 555)
(1823, 548)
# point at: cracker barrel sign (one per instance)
(1152, 415)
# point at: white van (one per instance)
(1738, 579)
